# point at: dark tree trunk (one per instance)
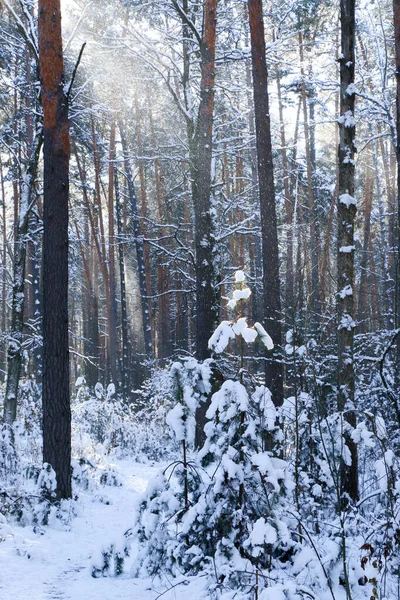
(139, 242)
(14, 356)
(112, 306)
(56, 400)
(126, 354)
(345, 256)
(396, 15)
(269, 235)
(92, 341)
(207, 309)
(3, 362)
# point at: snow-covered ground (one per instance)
(56, 564)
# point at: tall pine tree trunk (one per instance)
(112, 306)
(396, 15)
(346, 245)
(206, 297)
(269, 234)
(139, 243)
(56, 400)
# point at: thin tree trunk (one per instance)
(363, 307)
(112, 305)
(144, 211)
(269, 235)
(396, 15)
(4, 269)
(102, 254)
(14, 356)
(126, 354)
(312, 216)
(288, 202)
(164, 308)
(56, 400)
(139, 248)
(346, 246)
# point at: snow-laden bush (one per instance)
(221, 511)
(107, 424)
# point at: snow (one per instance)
(347, 119)
(347, 250)
(346, 291)
(221, 336)
(240, 277)
(55, 563)
(347, 322)
(347, 199)
(249, 335)
(264, 336)
(241, 294)
(351, 89)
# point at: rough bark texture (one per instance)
(396, 15)
(14, 355)
(56, 401)
(269, 236)
(206, 298)
(345, 256)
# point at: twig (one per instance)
(184, 582)
(71, 83)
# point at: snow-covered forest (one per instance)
(200, 299)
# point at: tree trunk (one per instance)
(112, 306)
(363, 307)
(139, 248)
(207, 309)
(56, 400)
(269, 235)
(396, 15)
(288, 201)
(126, 355)
(3, 362)
(14, 356)
(312, 216)
(346, 246)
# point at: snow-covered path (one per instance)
(56, 565)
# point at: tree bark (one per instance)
(14, 355)
(207, 306)
(142, 275)
(126, 355)
(396, 15)
(56, 400)
(346, 246)
(269, 235)
(112, 306)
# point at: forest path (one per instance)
(57, 564)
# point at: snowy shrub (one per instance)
(220, 511)
(113, 426)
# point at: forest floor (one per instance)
(55, 564)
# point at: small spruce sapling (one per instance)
(221, 512)
(228, 330)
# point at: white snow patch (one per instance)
(347, 199)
